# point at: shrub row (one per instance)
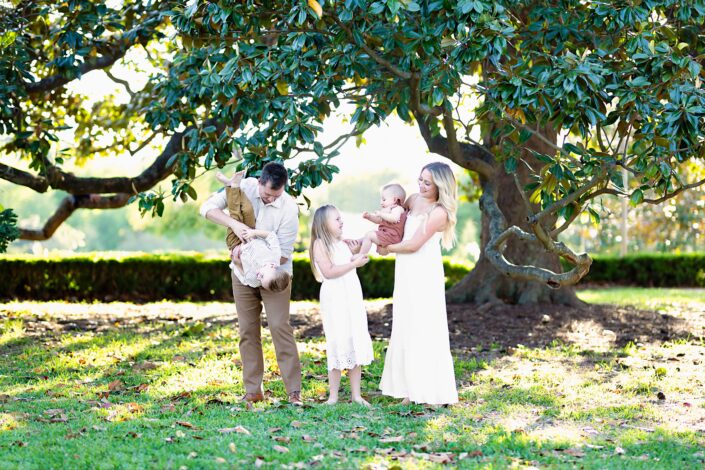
(151, 277)
(649, 270)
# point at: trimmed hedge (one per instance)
(151, 277)
(194, 276)
(650, 270)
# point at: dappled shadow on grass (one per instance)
(519, 404)
(490, 332)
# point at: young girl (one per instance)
(348, 343)
(391, 219)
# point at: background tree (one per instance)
(545, 102)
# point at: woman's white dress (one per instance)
(348, 342)
(418, 364)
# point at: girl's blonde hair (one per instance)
(443, 178)
(319, 231)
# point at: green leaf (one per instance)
(636, 198)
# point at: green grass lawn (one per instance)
(148, 392)
(647, 298)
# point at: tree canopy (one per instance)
(561, 95)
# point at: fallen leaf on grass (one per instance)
(307, 438)
(168, 408)
(133, 407)
(283, 439)
(220, 460)
(281, 449)
(238, 429)
(181, 396)
(574, 452)
(440, 458)
(134, 435)
(116, 385)
(20, 443)
(141, 388)
(476, 453)
(146, 365)
(232, 447)
(296, 424)
(362, 449)
(392, 439)
(186, 424)
(619, 451)
(273, 430)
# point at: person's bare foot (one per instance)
(233, 181)
(332, 401)
(360, 401)
(406, 401)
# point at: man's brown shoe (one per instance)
(295, 398)
(253, 397)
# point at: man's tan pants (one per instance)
(248, 301)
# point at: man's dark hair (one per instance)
(275, 174)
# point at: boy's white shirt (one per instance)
(253, 255)
(280, 217)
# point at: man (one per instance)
(275, 211)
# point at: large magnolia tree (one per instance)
(546, 103)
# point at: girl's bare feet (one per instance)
(406, 401)
(360, 401)
(332, 401)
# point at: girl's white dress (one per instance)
(348, 342)
(418, 364)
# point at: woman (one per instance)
(418, 366)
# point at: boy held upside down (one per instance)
(257, 256)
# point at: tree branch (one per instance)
(120, 81)
(67, 207)
(470, 156)
(499, 234)
(113, 53)
(23, 178)
(376, 57)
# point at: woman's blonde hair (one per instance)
(319, 231)
(443, 178)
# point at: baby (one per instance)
(256, 260)
(391, 219)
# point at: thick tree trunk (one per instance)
(484, 284)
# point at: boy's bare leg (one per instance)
(233, 181)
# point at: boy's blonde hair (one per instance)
(396, 191)
(280, 280)
(443, 178)
(319, 231)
